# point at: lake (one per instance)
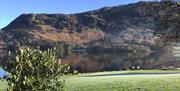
(113, 61)
(2, 54)
(83, 61)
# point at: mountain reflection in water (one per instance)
(111, 61)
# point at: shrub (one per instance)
(35, 70)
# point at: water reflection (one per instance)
(2, 55)
(111, 61)
(108, 61)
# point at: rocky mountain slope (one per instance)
(138, 24)
(2, 42)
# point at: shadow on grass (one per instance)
(132, 74)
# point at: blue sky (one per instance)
(10, 9)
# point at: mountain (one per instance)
(138, 25)
(2, 43)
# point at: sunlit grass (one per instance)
(138, 80)
(141, 82)
(3, 85)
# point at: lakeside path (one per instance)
(142, 80)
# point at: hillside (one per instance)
(141, 24)
(2, 42)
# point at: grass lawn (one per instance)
(3, 85)
(139, 80)
(142, 80)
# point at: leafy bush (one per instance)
(35, 70)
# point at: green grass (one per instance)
(3, 85)
(139, 80)
(125, 82)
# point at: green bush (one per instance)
(35, 70)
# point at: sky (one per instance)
(10, 9)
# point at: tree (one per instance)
(35, 70)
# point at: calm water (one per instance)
(2, 54)
(111, 61)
